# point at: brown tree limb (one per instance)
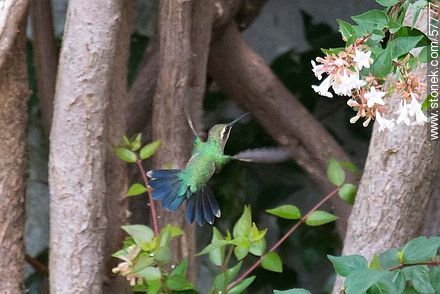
(169, 124)
(45, 57)
(11, 15)
(242, 74)
(79, 148)
(116, 170)
(14, 93)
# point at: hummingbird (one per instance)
(172, 187)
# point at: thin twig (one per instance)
(224, 265)
(401, 266)
(37, 265)
(277, 244)
(150, 198)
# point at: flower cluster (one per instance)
(367, 92)
(125, 268)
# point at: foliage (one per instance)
(382, 42)
(415, 268)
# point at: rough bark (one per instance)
(12, 12)
(45, 57)
(13, 119)
(392, 200)
(432, 219)
(169, 124)
(115, 169)
(242, 74)
(78, 146)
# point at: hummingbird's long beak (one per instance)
(236, 120)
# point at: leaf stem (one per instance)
(153, 213)
(277, 244)
(403, 265)
(224, 266)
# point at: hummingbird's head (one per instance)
(220, 133)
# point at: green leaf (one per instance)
(434, 278)
(419, 277)
(168, 233)
(222, 280)
(242, 286)
(242, 248)
(403, 45)
(345, 265)
(347, 165)
(348, 193)
(142, 262)
(335, 173)
(149, 149)
(421, 249)
(136, 189)
(141, 234)
(150, 273)
(180, 270)
(257, 248)
(214, 246)
(243, 226)
(383, 287)
(383, 63)
(125, 154)
(217, 255)
(394, 26)
(162, 253)
(372, 20)
(292, 291)
(136, 142)
(272, 262)
(387, 3)
(375, 263)
(361, 280)
(153, 287)
(178, 283)
(320, 217)
(286, 211)
(399, 281)
(389, 258)
(347, 31)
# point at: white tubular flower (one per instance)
(354, 119)
(346, 82)
(374, 97)
(318, 70)
(362, 59)
(415, 109)
(383, 122)
(323, 88)
(367, 122)
(403, 114)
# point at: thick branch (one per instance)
(243, 74)
(169, 124)
(13, 119)
(80, 146)
(12, 12)
(45, 57)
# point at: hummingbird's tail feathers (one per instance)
(201, 207)
(168, 187)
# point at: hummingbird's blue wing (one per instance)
(168, 187)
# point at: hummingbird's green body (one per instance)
(173, 187)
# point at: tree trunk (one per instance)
(116, 169)
(13, 119)
(79, 146)
(169, 124)
(45, 57)
(392, 200)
